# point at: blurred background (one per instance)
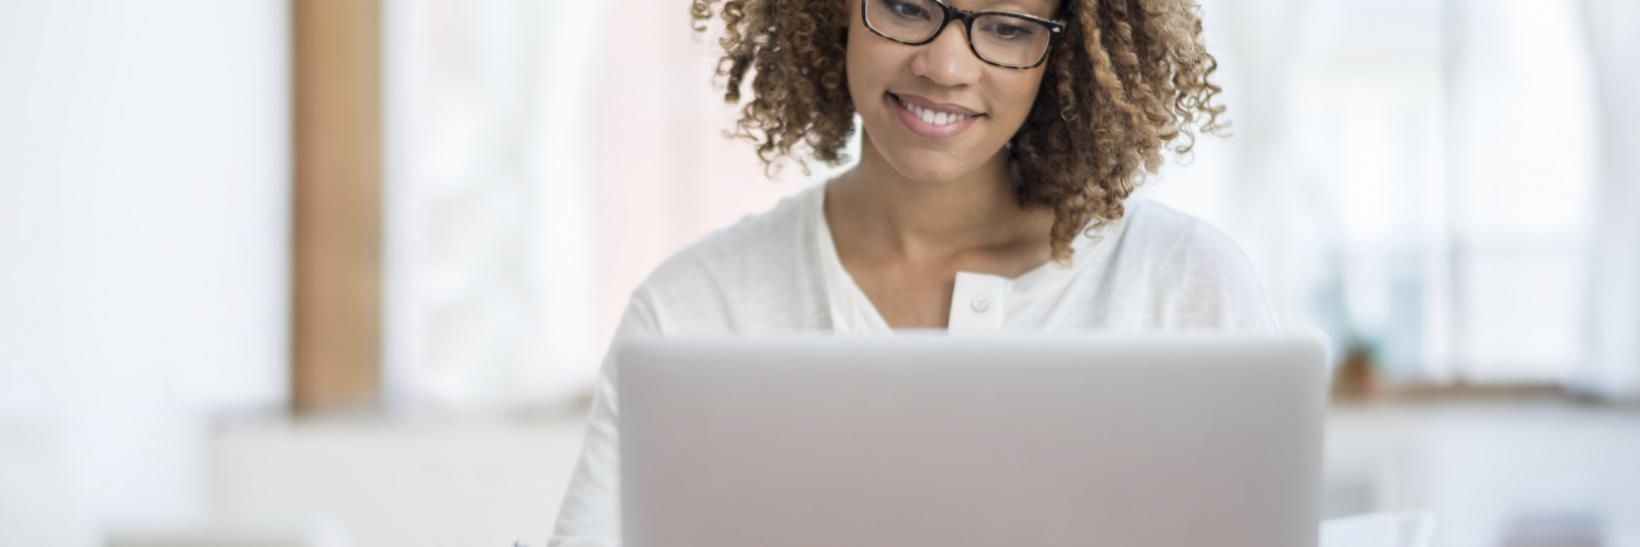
(341, 272)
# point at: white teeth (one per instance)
(933, 117)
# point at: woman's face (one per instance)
(976, 107)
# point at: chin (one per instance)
(928, 169)
(934, 166)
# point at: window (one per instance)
(1447, 147)
(539, 164)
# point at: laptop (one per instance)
(932, 440)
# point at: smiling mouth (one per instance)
(932, 116)
(930, 123)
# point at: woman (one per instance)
(1000, 140)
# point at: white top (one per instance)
(1155, 269)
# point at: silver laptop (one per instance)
(936, 441)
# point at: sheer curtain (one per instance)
(481, 262)
(1610, 342)
(1409, 175)
(542, 158)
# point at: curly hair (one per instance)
(1129, 78)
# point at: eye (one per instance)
(1009, 31)
(906, 9)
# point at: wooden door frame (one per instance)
(337, 214)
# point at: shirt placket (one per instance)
(978, 303)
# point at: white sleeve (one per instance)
(590, 514)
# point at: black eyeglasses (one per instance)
(1001, 38)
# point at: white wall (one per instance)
(143, 252)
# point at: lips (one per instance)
(930, 119)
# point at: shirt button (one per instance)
(980, 304)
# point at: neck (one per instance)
(933, 220)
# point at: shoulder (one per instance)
(1202, 276)
(712, 277)
(1159, 232)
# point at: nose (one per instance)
(947, 61)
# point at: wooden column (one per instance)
(336, 330)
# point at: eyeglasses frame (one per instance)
(1055, 28)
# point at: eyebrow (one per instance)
(1040, 8)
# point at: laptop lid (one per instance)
(930, 440)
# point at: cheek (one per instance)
(1024, 93)
(857, 47)
(856, 61)
(870, 64)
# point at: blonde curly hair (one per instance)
(1129, 78)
